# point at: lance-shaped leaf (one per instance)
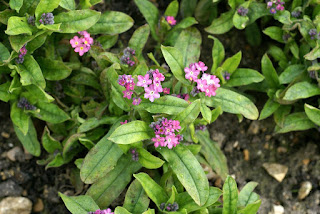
(110, 187)
(76, 20)
(18, 25)
(49, 143)
(139, 39)
(121, 210)
(233, 102)
(251, 208)
(19, 118)
(131, 133)
(5, 96)
(218, 54)
(102, 158)
(112, 22)
(268, 109)
(54, 70)
(230, 196)
(155, 192)
(149, 161)
(136, 200)
(31, 72)
(188, 43)
(174, 59)
(275, 33)
(51, 113)
(301, 90)
(188, 115)
(222, 24)
(150, 13)
(313, 113)
(46, 6)
(187, 7)
(247, 196)
(295, 122)
(244, 76)
(213, 154)
(16, 4)
(79, 204)
(165, 104)
(206, 112)
(189, 172)
(94, 122)
(290, 73)
(4, 53)
(232, 63)
(172, 9)
(29, 141)
(269, 72)
(68, 4)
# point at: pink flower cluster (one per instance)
(106, 211)
(207, 83)
(151, 82)
(182, 96)
(171, 20)
(164, 130)
(83, 44)
(23, 52)
(275, 5)
(128, 82)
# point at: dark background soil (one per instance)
(25, 178)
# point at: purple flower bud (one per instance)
(286, 37)
(23, 103)
(296, 13)
(162, 205)
(31, 20)
(226, 75)
(242, 11)
(313, 33)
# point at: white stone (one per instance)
(10, 205)
(277, 171)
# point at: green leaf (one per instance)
(283, 17)
(112, 22)
(222, 24)
(155, 192)
(187, 7)
(49, 143)
(312, 113)
(205, 112)
(213, 154)
(172, 9)
(101, 159)
(139, 39)
(230, 196)
(149, 161)
(277, 53)
(4, 53)
(269, 108)
(174, 59)
(251, 208)
(68, 4)
(151, 14)
(46, 6)
(218, 54)
(113, 183)
(244, 76)
(18, 41)
(107, 41)
(16, 4)
(247, 196)
(54, 70)
(257, 10)
(189, 43)
(31, 72)
(29, 141)
(295, 122)
(274, 33)
(301, 90)
(29, 6)
(240, 22)
(186, 202)
(4, 92)
(232, 63)
(165, 104)
(18, 25)
(35, 93)
(136, 200)
(149, 211)
(51, 113)
(121, 210)
(188, 115)
(290, 73)
(269, 72)
(189, 172)
(76, 20)
(79, 204)
(233, 102)
(131, 133)
(19, 118)
(94, 122)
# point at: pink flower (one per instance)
(280, 7)
(75, 42)
(211, 80)
(124, 122)
(201, 85)
(136, 101)
(127, 94)
(201, 66)
(151, 93)
(269, 4)
(157, 76)
(166, 90)
(84, 33)
(129, 79)
(130, 86)
(168, 130)
(87, 41)
(210, 91)
(158, 87)
(171, 141)
(158, 141)
(191, 73)
(144, 81)
(81, 49)
(23, 50)
(171, 20)
(186, 97)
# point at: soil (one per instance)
(299, 151)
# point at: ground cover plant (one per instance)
(134, 121)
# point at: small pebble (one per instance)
(19, 205)
(246, 154)
(304, 190)
(15, 153)
(277, 171)
(278, 209)
(5, 135)
(38, 206)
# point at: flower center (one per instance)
(76, 43)
(81, 48)
(151, 92)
